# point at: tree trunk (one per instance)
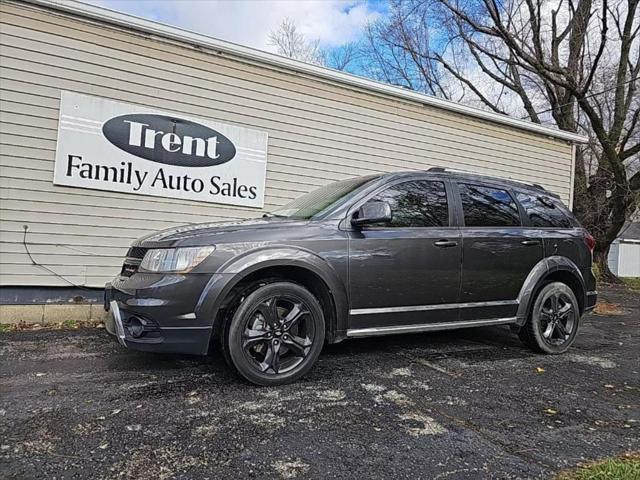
(601, 260)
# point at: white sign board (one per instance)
(115, 146)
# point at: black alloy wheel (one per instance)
(276, 334)
(557, 318)
(553, 321)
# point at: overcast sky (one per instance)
(248, 22)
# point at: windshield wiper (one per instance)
(273, 215)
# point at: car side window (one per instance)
(543, 212)
(488, 207)
(419, 203)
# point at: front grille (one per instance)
(137, 252)
(133, 260)
(128, 269)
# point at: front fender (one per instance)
(538, 273)
(233, 271)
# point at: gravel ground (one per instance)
(465, 404)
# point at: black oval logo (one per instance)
(169, 140)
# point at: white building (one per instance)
(624, 255)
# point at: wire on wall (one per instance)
(45, 268)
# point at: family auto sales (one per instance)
(108, 145)
(129, 175)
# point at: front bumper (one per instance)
(114, 325)
(155, 313)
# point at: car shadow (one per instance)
(481, 344)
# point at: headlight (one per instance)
(174, 259)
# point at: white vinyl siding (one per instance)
(319, 131)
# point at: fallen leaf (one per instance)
(550, 411)
(103, 446)
(116, 411)
(608, 386)
(540, 370)
(606, 308)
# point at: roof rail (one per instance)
(455, 170)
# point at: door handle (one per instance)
(445, 243)
(530, 242)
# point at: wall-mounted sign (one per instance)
(115, 146)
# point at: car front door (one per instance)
(498, 252)
(406, 271)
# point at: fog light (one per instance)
(135, 327)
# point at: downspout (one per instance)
(573, 175)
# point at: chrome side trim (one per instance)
(185, 328)
(374, 331)
(422, 308)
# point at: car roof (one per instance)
(440, 172)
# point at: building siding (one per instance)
(319, 131)
(624, 258)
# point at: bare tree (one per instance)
(573, 62)
(292, 43)
(342, 57)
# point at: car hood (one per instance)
(211, 233)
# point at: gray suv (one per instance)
(376, 255)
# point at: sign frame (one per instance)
(109, 145)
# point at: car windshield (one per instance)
(318, 201)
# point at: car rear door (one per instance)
(498, 251)
(406, 271)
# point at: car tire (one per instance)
(275, 335)
(553, 321)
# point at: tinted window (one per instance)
(417, 204)
(543, 212)
(488, 207)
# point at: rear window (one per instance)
(488, 207)
(543, 211)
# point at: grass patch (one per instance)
(4, 327)
(632, 282)
(70, 324)
(625, 467)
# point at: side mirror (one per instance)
(374, 211)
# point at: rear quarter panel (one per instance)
(567, 243)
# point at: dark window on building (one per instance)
(543, 212)
(417, 204)
(488, 207)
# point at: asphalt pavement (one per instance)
(462, 404)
